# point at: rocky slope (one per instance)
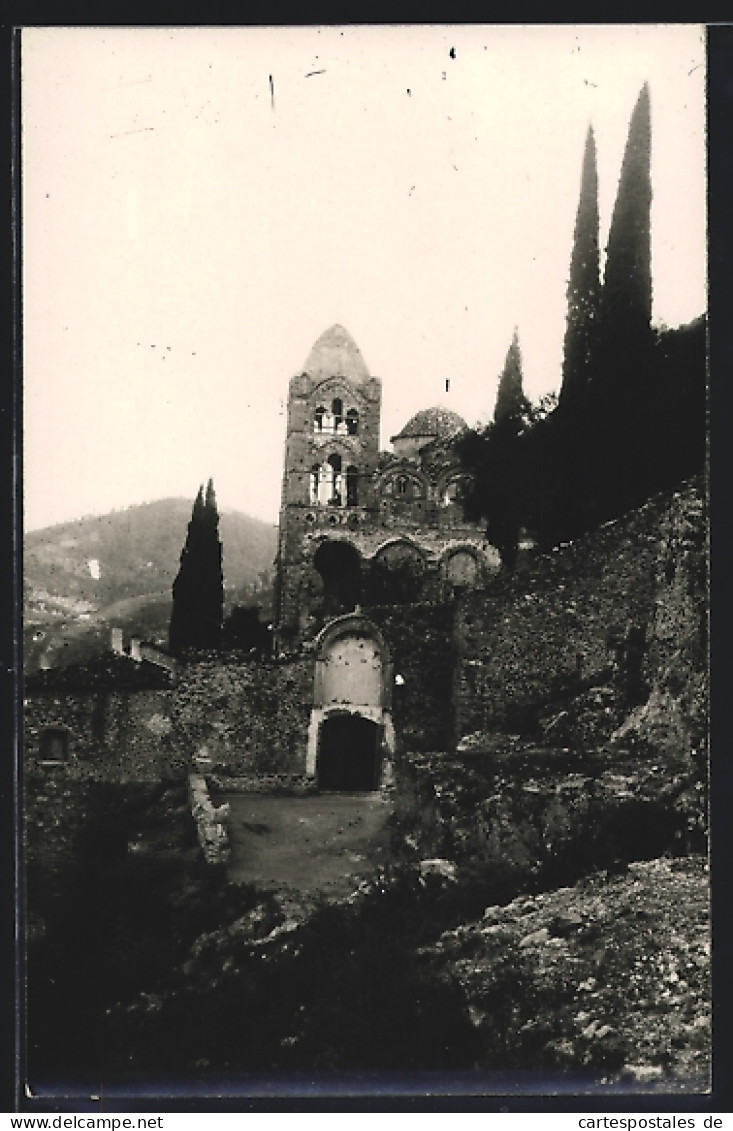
(607, 980)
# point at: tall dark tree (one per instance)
(511, 404)
(623, 412)
(626, 300)
(583, 289)
(631, 416)
(494, 457)
(198, 590)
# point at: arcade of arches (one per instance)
(398, 574)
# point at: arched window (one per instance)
(397, 574)
(352, 486)
(337, 492)
(337, 409)
(352, 422)
(455, 492)
(403, 487)
(325, 484)
(461, 569)
(318, 419)
(314, 477)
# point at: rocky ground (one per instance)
(608, 978)
(147, 961)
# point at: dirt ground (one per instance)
(325, 843)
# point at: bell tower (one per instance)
(331, 454)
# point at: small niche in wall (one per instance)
(54, 745)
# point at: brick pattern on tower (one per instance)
(360, 527)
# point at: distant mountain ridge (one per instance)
(83, 576)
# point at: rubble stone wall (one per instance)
(564, 620)
(124, 735)
(249, 716)
(420, 640)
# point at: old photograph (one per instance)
(365, 561)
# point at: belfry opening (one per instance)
(348, 754)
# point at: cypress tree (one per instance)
(511, 403)
(626, 302)
(583, 284)
(622, 413)
(214, 572)
(494, 457)
(198, 590)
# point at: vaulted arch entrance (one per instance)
(348, 753)
(350, 735)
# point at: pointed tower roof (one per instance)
(336, 354)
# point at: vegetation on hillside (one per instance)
(68, 612)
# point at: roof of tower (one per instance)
(436, 422)
(336, 354)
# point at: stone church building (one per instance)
(360, 527)
(373, 550)
(397, 634)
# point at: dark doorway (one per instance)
(348, 754)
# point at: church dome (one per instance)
(336, 354)
(435, 423)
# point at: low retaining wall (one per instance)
(210, 821)
(287, 784)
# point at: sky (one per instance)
(200, 204)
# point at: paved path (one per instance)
(325, 843)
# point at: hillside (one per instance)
(84, 576)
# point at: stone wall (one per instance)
(674, 716)
(611, 627)
(564, 621)
(248, 716)
(54, 808)
(545, 815)
(112, 735)
(288, 785)
(251, 717)
(422, 654)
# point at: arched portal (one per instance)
(351, 738)
(348, 753)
